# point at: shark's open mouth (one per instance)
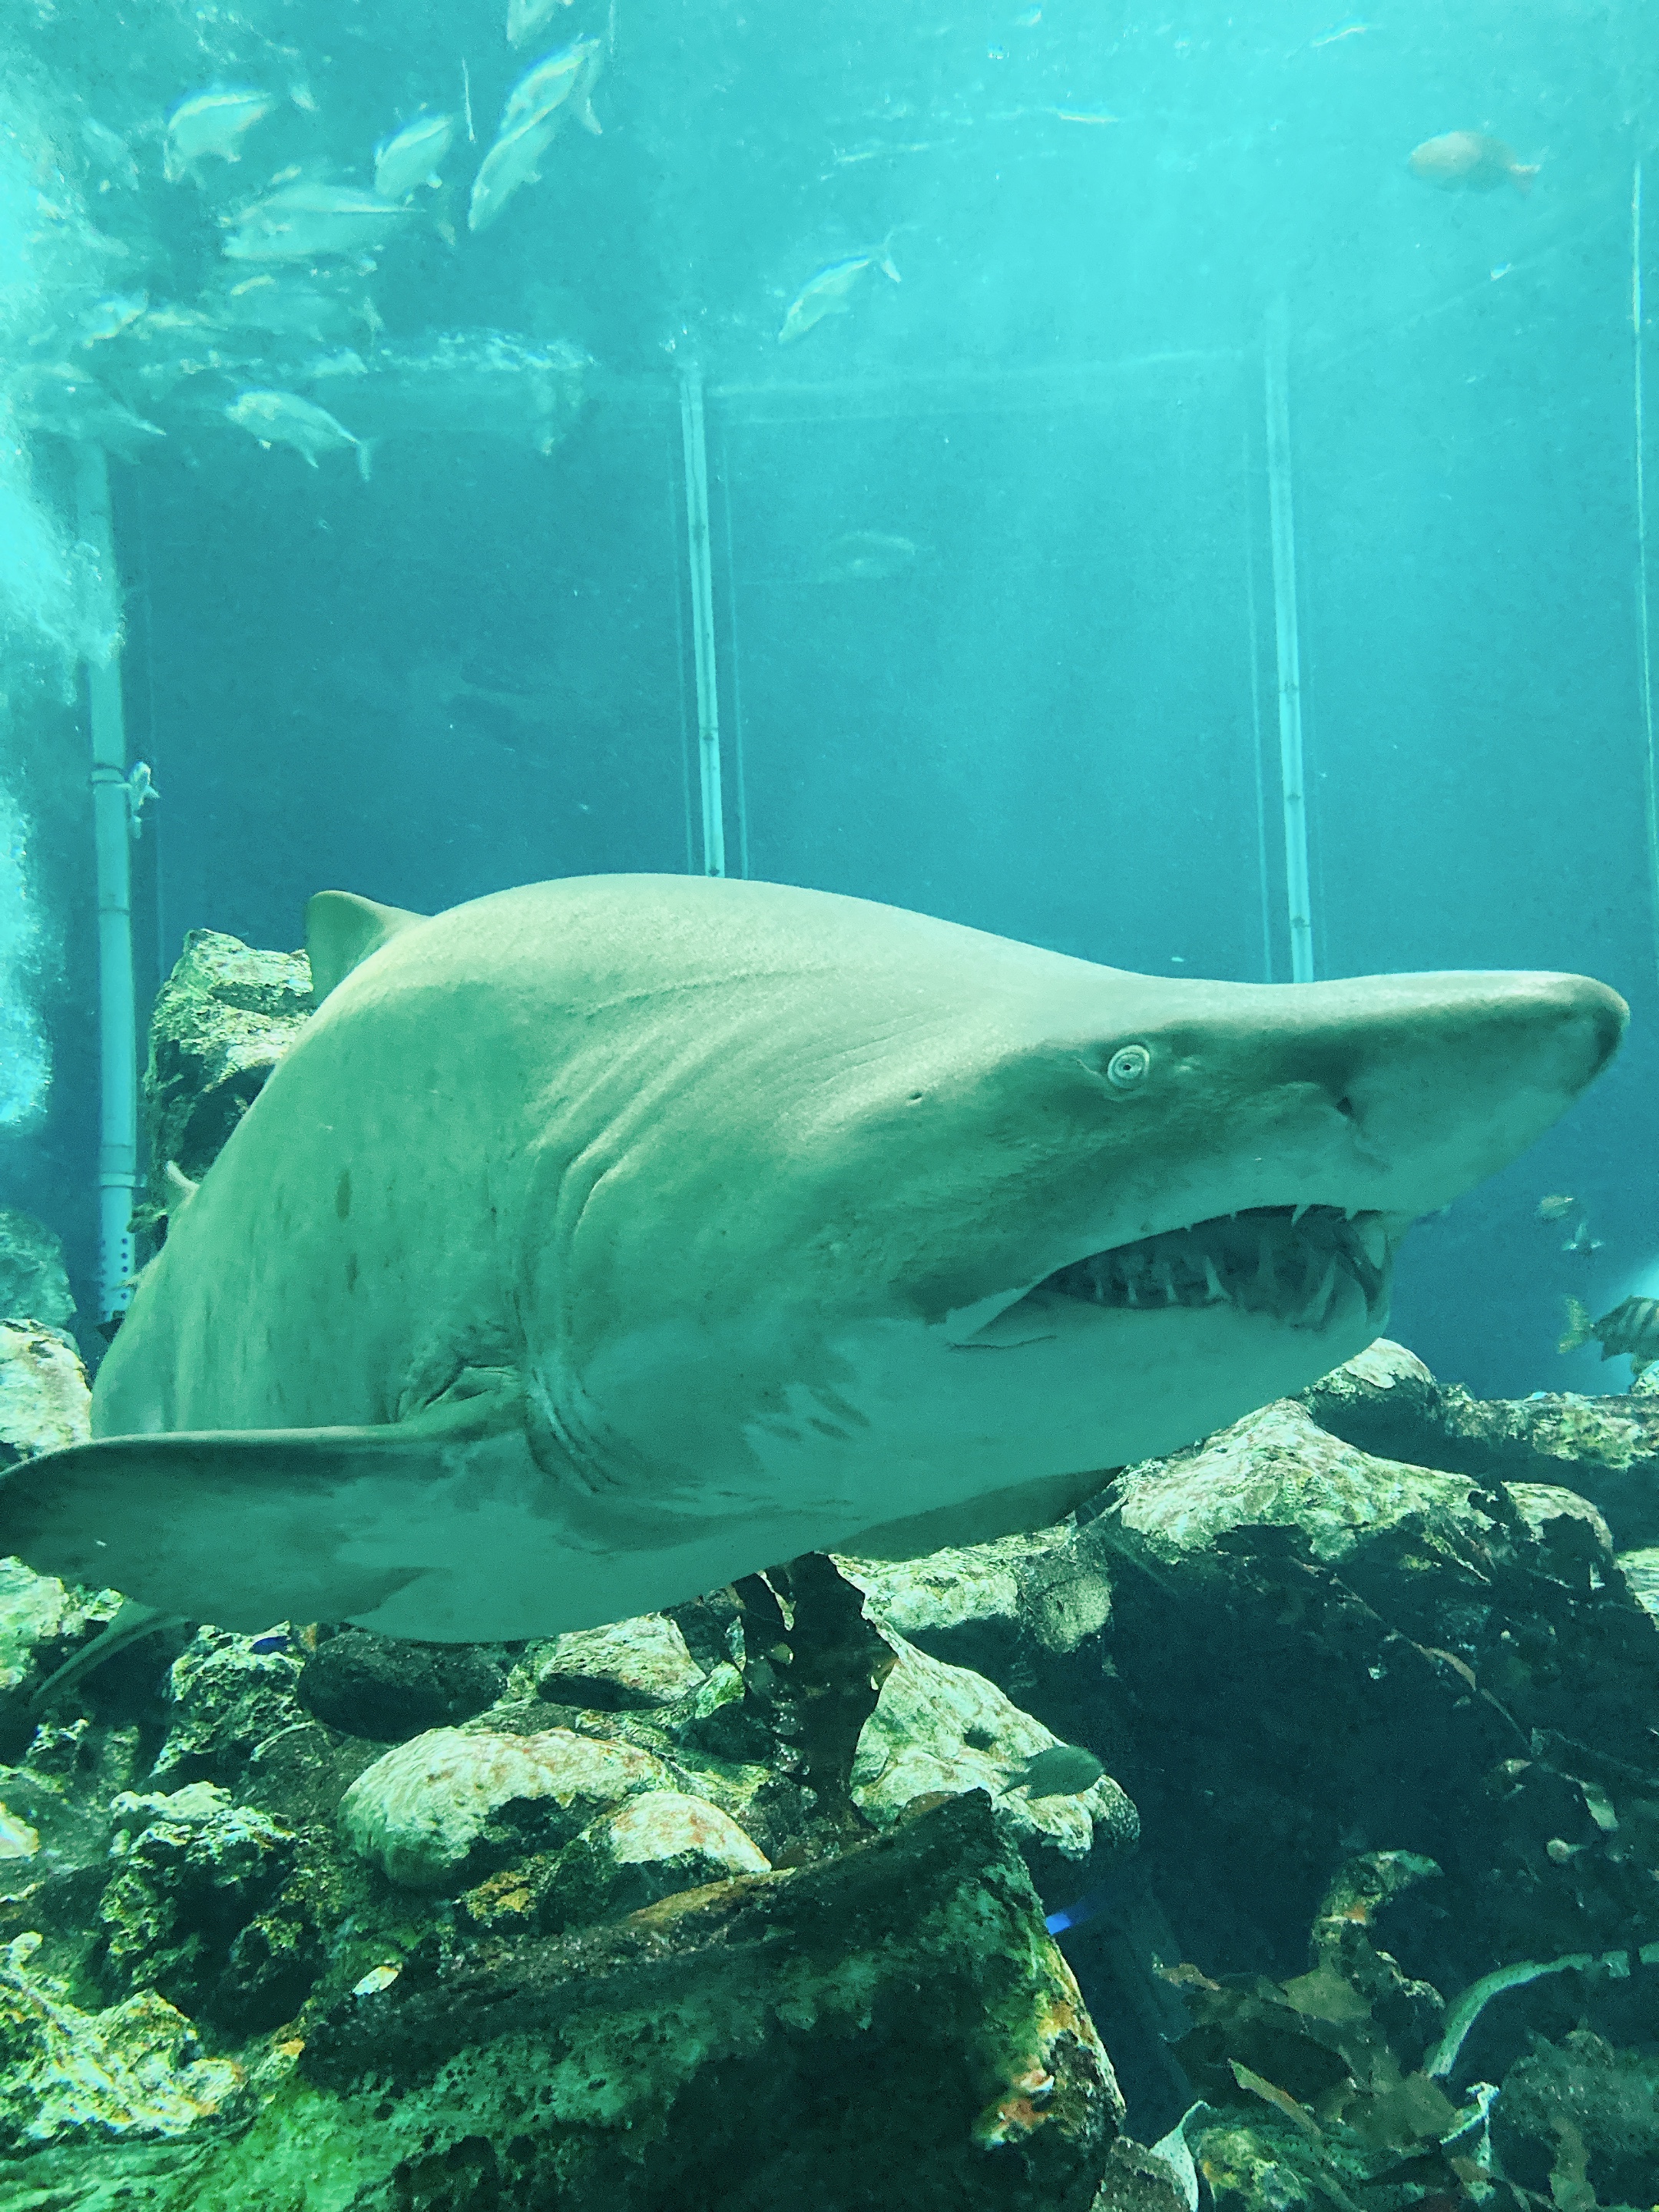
(1288, 1262)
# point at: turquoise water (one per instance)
(1170, 488)
(1051, 705)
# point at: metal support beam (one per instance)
(1292, 776)
(112, 818)
(695, 443)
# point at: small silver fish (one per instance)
(865, 557)
(826, 293)
(289, 307)
(411, 157)
(310, 223)
(212, 122)
(566, 77)
(376, 1979)
(1556, 1206)
(283, 418)
(1064, 1770)
(525, 17)
(1582, 1242)
(65, 402)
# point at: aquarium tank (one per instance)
(829, 956)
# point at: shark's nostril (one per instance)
(1345, 1107)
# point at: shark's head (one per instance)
(938, 1225)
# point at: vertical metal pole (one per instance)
(703, 618)
(1253, 645)
(1643, 620)
(112, 819)
(735, 666)
(1292, 780)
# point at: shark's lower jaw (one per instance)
(1291, 1264)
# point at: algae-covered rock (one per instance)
(941, 1729)
(893, 2027)
(222, 1021)
(387, 1689)
(1577, 2123)
(34, 1281)
(1386, 1403)
(230, 1699)
(632, 1665)
(45, 1402)
(653, 1846)
(1641, 1572)
(132, 2070)
(446, 1808)
(192, 1869)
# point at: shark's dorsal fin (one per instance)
(342, 930)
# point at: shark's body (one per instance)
(602, 1240)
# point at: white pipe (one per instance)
(1649, 777)
(1292, 779)
(112, 819)
(703, 618)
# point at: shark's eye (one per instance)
(1126, 1066)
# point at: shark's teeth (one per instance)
(1284, 1263)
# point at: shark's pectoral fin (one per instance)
(977, 1520)
(243, 1527)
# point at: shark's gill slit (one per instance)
(1284, 1261)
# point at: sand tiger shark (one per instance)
(600, 1241)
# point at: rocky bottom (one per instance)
(748, 1904)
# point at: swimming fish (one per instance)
(310, 223)
(108, 317)
(533, 118)
(525, 17)
(411, 157)
(283, 418)
(1556, 1206)
(772, 1221)
(568, 76)
(289, 307)
(1064, 1770)
(1582, 1242)
(66, 402)
(1632, 1326)
(212, 122)
(865, 557)
(1469, 161)
(826, 294)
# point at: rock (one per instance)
(45, 1403)
(939, 1728)
(67, 2075)
(1028, 1611)
(447, 1807)
(222, 1021)
(1355, 1652)
(1577, 2123)
(34, 1281)
(652, 1847)
(192, 1869)
(824, 2037)
(1386, 1403)
(386, 1689)
(634, 1665)
(1641, 1572)
(230, 1701)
